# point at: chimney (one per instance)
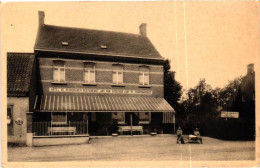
(250, 68)
(142, 29)
(41, 18)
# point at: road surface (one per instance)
(142, 148)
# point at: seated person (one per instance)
(179, 136)
(197, 134)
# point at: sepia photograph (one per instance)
(141, 83)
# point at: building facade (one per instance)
(97, 82)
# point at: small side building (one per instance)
(20, 95)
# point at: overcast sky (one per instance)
(221, 37)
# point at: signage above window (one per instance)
(104, 91)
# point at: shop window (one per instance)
(143, 75)
(59, 118)
(10, 119)
(119, 116)
(117, 74)
(144, 117)
(94, 117)
(243, 98)
(89, 72)
(58, 71)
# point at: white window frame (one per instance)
(116, 71)
(89, 70)
(59, 69)
(142, 75)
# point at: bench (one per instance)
(52, 130)
(122, 129)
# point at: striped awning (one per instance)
(78, 103)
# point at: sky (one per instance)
(211, 40)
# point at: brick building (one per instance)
(92, 80)
(21, 89)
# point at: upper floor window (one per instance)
(59, 71)
(89, 72)
(117, 74)
(143, 75)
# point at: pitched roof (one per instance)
(19, 71)
(95, 42)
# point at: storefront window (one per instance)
(119, 116)
(144, 117)
(117, 74)
(59, 71)
(10, 119)
(89, 72)
(59, 118)
(144, 75)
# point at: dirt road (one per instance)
(147, 148)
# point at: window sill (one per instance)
(118, 85)
(144, 122)
(144, 86)
(121, 123)
(89, 84)
(59, 83)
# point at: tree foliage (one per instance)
(202, 108)
(172, 88)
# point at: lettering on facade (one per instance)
(106, 91)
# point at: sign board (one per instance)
(104, 91)
(229, 114)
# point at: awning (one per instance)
(78, 103)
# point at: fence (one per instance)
(62, 128)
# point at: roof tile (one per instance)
(19, 71)
(90, 41)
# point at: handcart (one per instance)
(194, 139)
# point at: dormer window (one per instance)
(103, 47)
(58, 71)
(144, 75)
(117, 74)
(89, 72)
(65, 43)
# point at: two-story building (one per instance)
(91, 80)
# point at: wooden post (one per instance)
(131, 122)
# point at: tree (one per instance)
(172, 88)
(228, 95)
(200, 108)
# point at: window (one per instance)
(10, 119)
(89, 72)
(59, 118)
(119, 116)
(59, 71)
(117, 74)
(144, 75)
(144, 117)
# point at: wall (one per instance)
(20, 107)
(74, 76)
